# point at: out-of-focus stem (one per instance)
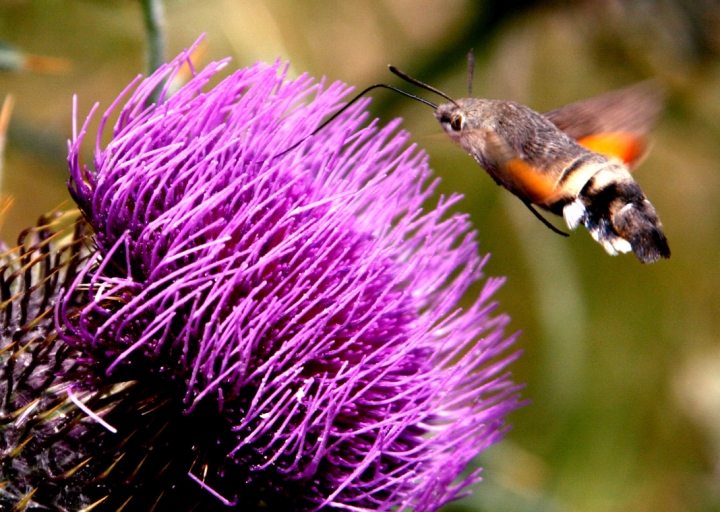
(154, 17)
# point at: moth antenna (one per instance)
(543, 219)
(471, 71)
(349, 104)
(425, 86)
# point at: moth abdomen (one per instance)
(615, 211)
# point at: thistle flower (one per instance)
(264, 328)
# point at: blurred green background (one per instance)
(621, 360)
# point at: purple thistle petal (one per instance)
(309, 294)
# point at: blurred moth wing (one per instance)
(525, 180)
(616, 124)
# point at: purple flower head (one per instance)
(297, 309)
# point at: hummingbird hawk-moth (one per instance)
(574, 161)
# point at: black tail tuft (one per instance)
(638, 223)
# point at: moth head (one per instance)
(451, 118)
(465, 115)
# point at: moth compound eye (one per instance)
(456, 123)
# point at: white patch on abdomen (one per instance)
(574, 213)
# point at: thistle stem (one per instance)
(154, 17)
